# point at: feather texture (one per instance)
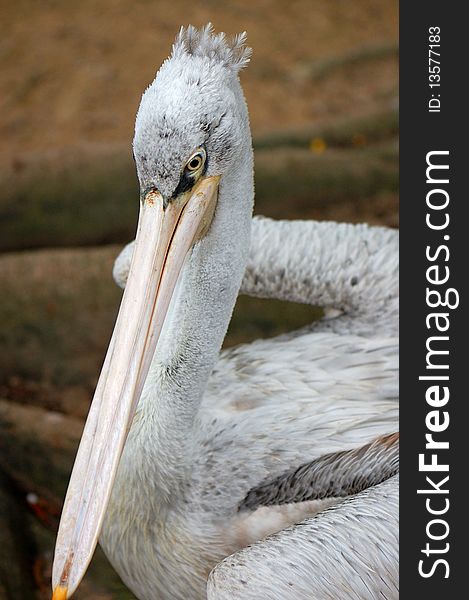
(335, 475)
(233, 54)
(212, 427)
(349, 551)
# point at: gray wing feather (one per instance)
(336, 475)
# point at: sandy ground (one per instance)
(73, 72)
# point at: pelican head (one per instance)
(189, 124)
(191, 143)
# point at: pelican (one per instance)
(267, 471)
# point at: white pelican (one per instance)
(235, 456)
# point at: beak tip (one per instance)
(60, 593)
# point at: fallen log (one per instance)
(343, 133)
(94, 200)
(57, 322)
(37, 448)
(321, 68)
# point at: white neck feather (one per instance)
(162, 434)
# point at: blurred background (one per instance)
(322, 93)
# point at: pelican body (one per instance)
(268, 470)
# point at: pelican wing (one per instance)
(350, 270)
(290, 402)
(349, 551)
(337, 474)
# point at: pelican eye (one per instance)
(196, 161)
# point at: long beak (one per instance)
(164, 237)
